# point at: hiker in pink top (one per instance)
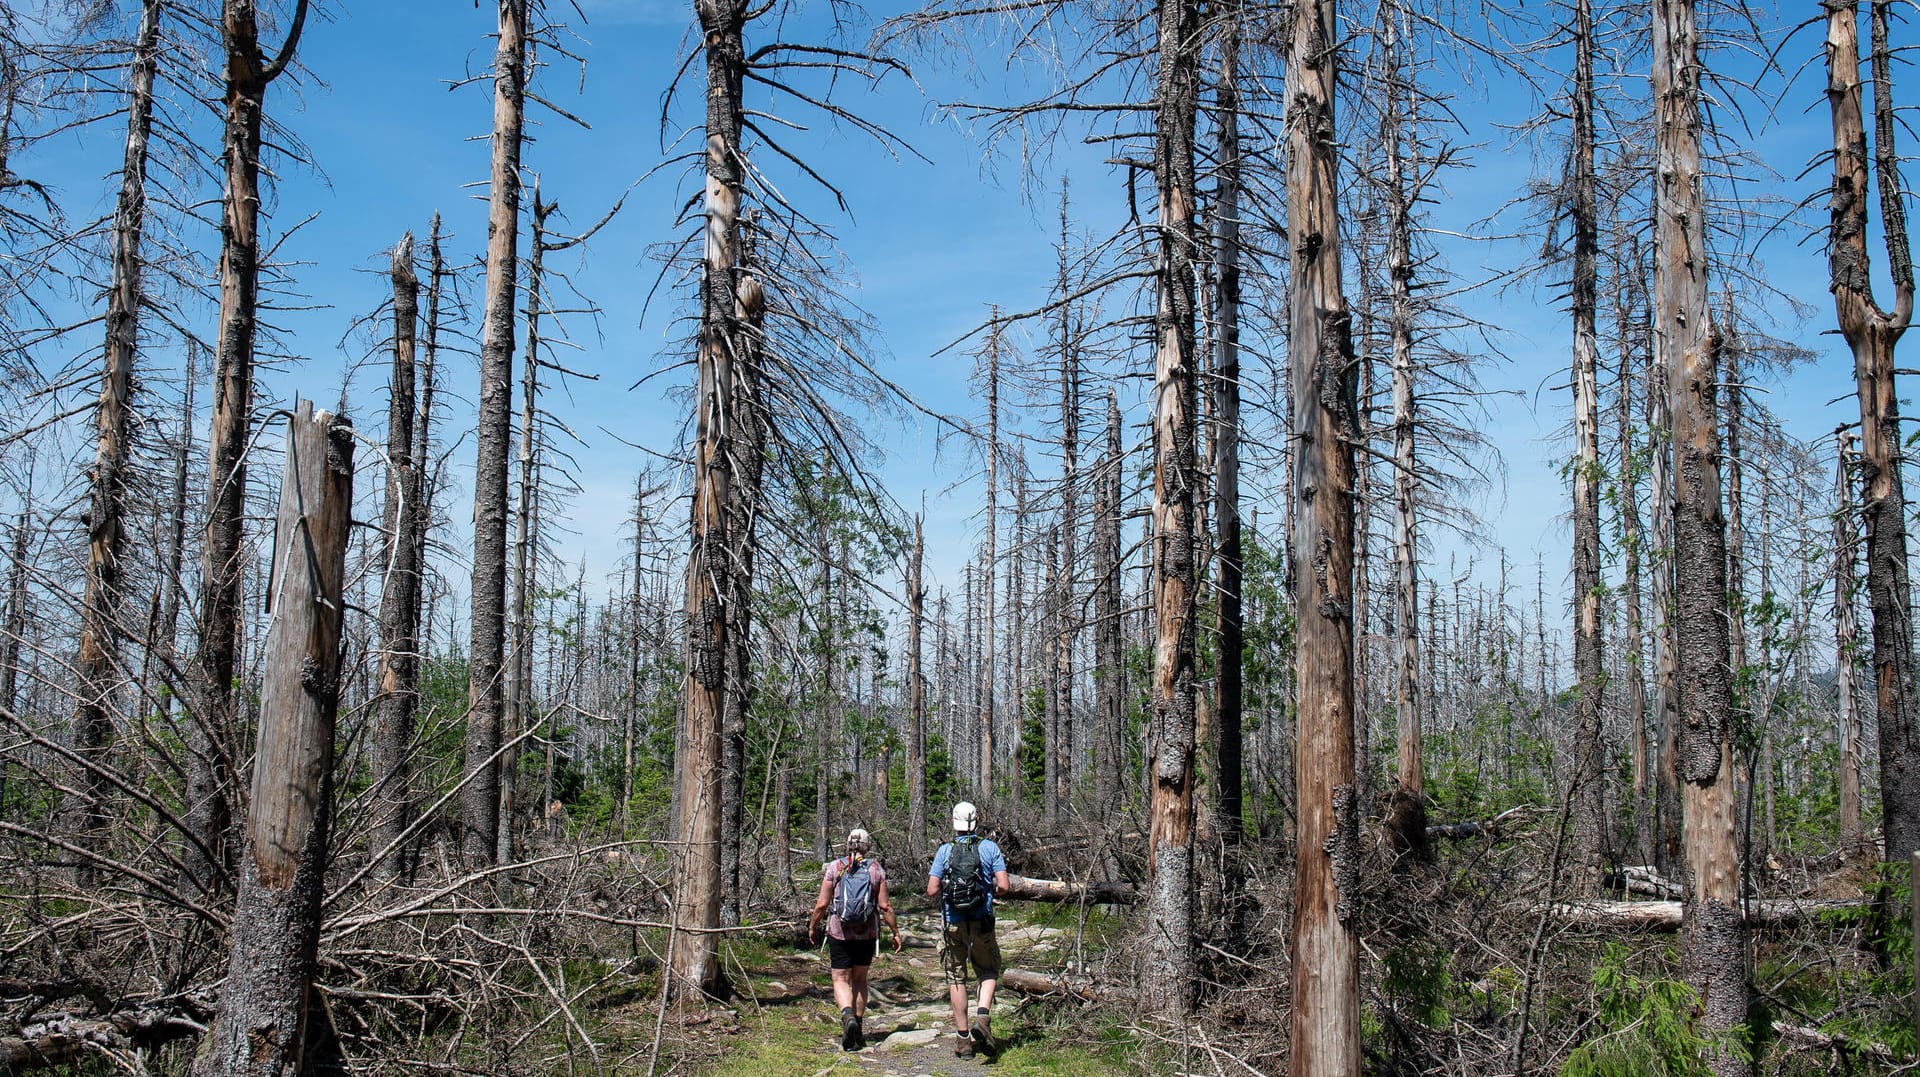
(853, 898)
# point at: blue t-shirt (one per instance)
(992, 861)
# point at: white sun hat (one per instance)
(964, 817)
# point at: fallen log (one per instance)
(1492, 828)
(1036, 983)
(1101, 893)
(65, 1038)
(1665, 915)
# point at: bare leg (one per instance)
(986, 993)
(843, 988)
(957, 994)
(858, 989)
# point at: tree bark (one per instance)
(1109, 652)
(261, 1027)
(1846, 641)
(1175, 482)
(486, 654)
(1714, 946)
(1588, 778)
(400, 599)
(916, 700)
(210, 762)
(1229, 564)
(1325, 1017)
(1872, 333)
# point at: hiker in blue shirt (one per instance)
(966, 873)
(854, 889)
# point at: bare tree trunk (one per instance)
(1715, 940)
(486, 656)
(1872, 333)
(1632, 542)
(1588, 778)
(1667, 809)
(211, 769)
(749, 453)
(1846, 641)
(263, 1021)
(15, 627)
(984, 779)
(1060, 754)
(1408, 817)
(1175, 479)
(1109, 659)
(97, 669)
(1325, 1011)
(916, 700)
(516, 706)
(400, 599)
(1228, 560)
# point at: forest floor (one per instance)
(787, 1025)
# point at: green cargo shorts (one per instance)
(970, 942)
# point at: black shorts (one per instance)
(851, 953)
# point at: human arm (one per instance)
(936, 872)
(1000, 883)
(820, 907)
(886, 914)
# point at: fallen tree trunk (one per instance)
(1665, 915)
(1103, 893)
(1036, 983)
(65, 1038)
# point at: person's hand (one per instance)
(896, 940)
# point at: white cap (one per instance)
(964, 817)
(859, 841)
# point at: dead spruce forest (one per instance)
(322, 749)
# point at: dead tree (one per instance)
(211, 766)
(1588, 779)
(1846, 638)
(1109, 660)
(1229, 561)
(98, 667)
(1872, 332)
(400, 598)
(486, 656)
(262, 1027)
(1715, 940)
(1325, 1010)
(916, 700)
(1175, 527)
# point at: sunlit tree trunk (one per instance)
(916, 700)
(97, 669)
(1325, 1008)
(1108, 642)
(1175, 479)
(1872, 333)
(400, 598)
(1714, 944)
(486, 657)
(1846, 639)
(211, 764)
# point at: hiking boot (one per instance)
(850, 1037)
(982, 1034)
(962, 1045)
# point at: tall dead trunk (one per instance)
(1631, 542)
(984, 773)
(1108, 643)
(1846, 640)
(12, 630)
(1060, 746)
(516, 705)
(916, 700)
(1872, 332)
(211, 766)
(747, 417)
(1229, 562)
(261, 1027)
(493, 433)
(1588, 778)
(97, 669)
(1325, 1010)
(1175, 482)
(400, 599)
(1667, 808)
(1715, 939)
(1408, 817)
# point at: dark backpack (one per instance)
(853, 896)
(965, 887)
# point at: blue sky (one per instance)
(931, 243)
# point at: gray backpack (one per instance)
(853, 900)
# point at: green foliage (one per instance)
(1419, 981)
(1031, 752)
(1647, 1027)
